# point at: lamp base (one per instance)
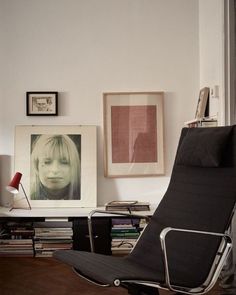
(29, 206)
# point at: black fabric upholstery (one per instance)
(197, 198)
(104, 268)
(203, 147)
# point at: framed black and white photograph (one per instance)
(58, 164)
(41, 103)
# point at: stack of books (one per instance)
(202, 122)
(16, 248)
(127, 206)
(51, 236)
(17, 240)
(211, 122)
(124, 234)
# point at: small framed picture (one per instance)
(41, 103)
(203, 103)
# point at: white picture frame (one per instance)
(24, 145)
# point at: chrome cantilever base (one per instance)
(133, 289)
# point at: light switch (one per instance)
(214, 91)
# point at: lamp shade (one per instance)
(13, 186)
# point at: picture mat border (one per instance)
(133, 169)
(88, 163)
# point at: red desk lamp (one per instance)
(13, 188)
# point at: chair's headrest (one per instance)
(203, 147)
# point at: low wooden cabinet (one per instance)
(76, 234)
(101, 235)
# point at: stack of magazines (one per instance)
(127, 206)
(51, 236)
(124, 234)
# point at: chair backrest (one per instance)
(201, 196)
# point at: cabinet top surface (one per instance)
(60, 212)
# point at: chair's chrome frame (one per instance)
(222, 254)
(90, 229)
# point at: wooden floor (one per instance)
(39, 276)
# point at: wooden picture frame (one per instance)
(42, 103)
(35, 150)
(133, 134)
(203, 102)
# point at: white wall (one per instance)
(211, 51)
(83, 48)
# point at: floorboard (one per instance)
(39, 276)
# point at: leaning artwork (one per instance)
(58, 164)
(133, 134)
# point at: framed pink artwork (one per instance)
(133, 134)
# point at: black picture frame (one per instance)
(41, 103)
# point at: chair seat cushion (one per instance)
(105, 269)
(203, 146)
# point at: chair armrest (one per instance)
(96, 211)
(220, 263)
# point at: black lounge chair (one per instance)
(184, 246)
